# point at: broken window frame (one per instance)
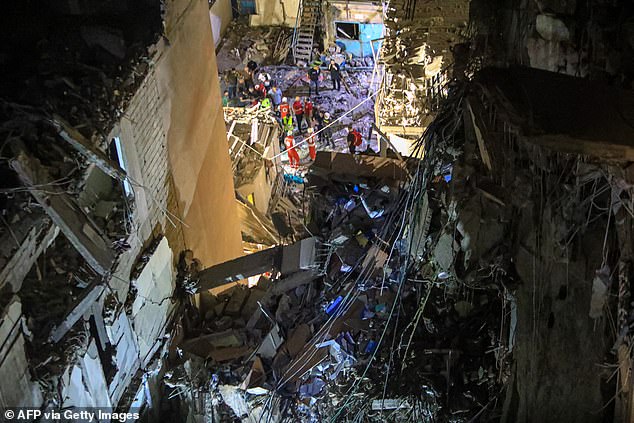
(341, 33)
(121, 159)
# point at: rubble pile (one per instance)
(291, 334)
(243, 43)
(355, 91)
(371, 324)
(82, 63)
(57, 282)
(553, 222)
(518, 253)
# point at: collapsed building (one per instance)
(161, 256)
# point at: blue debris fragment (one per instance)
(334, 305)
(370, 347)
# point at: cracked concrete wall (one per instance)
(196, 138)
(275, 12)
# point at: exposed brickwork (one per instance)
(146, 114)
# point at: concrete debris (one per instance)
(551, 29)
(600, 289)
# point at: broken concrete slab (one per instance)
(272, 341)
(83, 146)
(239, 296)
(239, 268)
(328, 163)
(85, 236)
(153, 303)
(221, 355)
(444, 252)
(83, 304)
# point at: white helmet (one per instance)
(310, 130)
(284, 100)
(289, 133)
(327, 115)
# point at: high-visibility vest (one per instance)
(311, 141)
(288, 123)
(265, 103)
(288, 142)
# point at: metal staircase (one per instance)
(307, 20)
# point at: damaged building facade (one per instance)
(103, 173)
(178, 244)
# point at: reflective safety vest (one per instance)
(288, 142)
(311, 141)
(265, 103)
(288, 123)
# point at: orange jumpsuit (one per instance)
(293, 156)
(311, 147)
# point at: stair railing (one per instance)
(298, 22)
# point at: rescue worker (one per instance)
(354, 140)
(286, 116)
(313, 74)
(312, 151)
(298, 109)
(284, 108)
(335, 75)
(265, 103)
(248, 78)
(293, 156)
(276, 96)
(260, 89)
(232, 82)
(327, 131)
(308, 111)
(265, 79)
(225, 99)
(287, 123)
(241, 88)
(250, 97)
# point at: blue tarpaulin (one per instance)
(361, 47)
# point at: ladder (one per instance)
(304, 34)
